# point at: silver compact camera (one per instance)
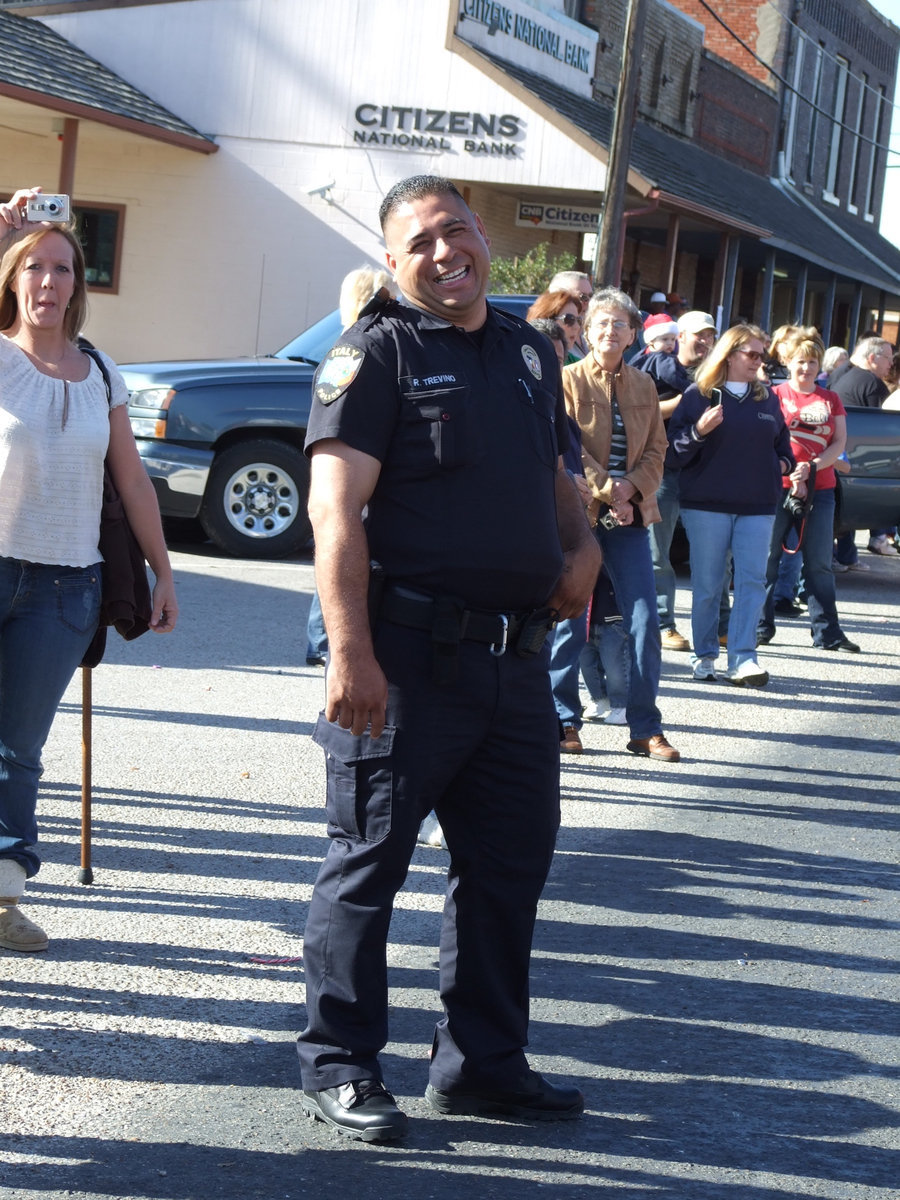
(47, 208)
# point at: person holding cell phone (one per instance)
(729, 438)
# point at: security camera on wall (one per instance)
(322, 190)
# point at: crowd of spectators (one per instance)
(742, 441)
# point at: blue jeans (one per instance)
(605, 662)
(661, 535)
(48, 616)
(788, 579)
(845, 549)
(626, 553)
(818, 576)
(725, 599)
(569, 639)
(316, 638)
(712, 535)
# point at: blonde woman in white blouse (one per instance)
(56, 422)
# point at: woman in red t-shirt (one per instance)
(817, 423)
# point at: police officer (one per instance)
(442, 418)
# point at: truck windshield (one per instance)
(314, 343)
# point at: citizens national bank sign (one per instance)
(438, 130)
(534, 36)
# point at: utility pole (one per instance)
(608, 257)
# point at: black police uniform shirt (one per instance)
(467, 428)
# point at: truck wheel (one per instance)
(255, 501)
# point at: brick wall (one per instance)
(608, 18)
(755, 22)
(669, 60)
(736, 117)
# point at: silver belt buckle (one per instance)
(499, 648)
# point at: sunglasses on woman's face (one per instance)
(753, 355)
(568, 319)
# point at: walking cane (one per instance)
(85, 875)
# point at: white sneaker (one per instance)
(748, 674)
(431, 834)
(704, 669)
(595, 711)
(882, 545)
(615, 716)
(838, 567)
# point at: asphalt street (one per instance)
(715, 962)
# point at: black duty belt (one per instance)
(450, 623)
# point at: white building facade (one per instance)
(317, 107)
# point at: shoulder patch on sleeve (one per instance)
(338, 369)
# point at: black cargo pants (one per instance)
(483, 751)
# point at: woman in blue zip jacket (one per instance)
(729, 438)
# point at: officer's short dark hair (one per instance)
(417, 187)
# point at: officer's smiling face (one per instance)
(438, 251)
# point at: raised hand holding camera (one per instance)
(55, 209)
(31, 205)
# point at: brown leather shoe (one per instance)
(672, 640)
(570, 743)
(654, 747)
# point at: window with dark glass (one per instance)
(100, 227)
(814, 118)
(882, 109)
(838, 126)
(858, 142)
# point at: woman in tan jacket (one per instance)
(623, 445)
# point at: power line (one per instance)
(831, 58)
(795, 91)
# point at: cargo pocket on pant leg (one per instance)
(360, 772)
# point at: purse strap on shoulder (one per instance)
(94, 353)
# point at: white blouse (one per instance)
(51, 459)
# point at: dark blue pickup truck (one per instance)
(869, 496)
(222, 441)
